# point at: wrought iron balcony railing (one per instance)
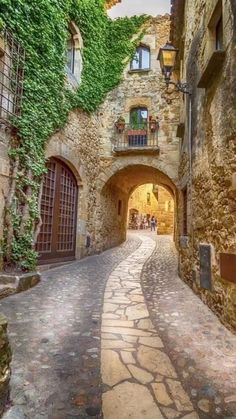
(138, 137)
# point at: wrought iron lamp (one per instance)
(167, 57)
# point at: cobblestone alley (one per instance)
(150, 349)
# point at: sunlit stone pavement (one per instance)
(202, 349)
(142, 381)
(119, 335)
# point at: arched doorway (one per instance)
(57, 238)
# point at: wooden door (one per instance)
(57, 237)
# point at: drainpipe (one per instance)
(190, 167)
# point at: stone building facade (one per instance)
(106, 169)
(152, 200)
(124, 168)
(99, 164)
(205, 33)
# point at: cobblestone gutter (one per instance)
(5, 359)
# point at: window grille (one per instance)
(12, 58)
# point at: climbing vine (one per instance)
(41, 27)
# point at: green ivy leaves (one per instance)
(41, 27)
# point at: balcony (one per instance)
(138, 139)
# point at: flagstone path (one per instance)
(119, 336)
(141, 380)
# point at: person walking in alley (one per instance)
(153, 223)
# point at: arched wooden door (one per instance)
(57, 237)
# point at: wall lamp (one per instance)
(167, 56)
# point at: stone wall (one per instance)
(86, 145)
(146, 89)
(5, 359)
(78, 146)
(211, 193)
(155, 201)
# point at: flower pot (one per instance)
(153, 126)
(120, 126)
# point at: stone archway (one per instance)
(116, 188)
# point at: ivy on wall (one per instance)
(41, 27)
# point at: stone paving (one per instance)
(55, 336)
(161, 352)
(202, 349)
(141, 380)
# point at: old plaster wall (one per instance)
(212, 208)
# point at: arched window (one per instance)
(74, 55)
(141, 60)
(71, 53)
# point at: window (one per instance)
(215, 51)
(74, 62)
(215, 27)
(219, 34)
(141, 60)
(138, 118)
(71, 53)
(137, 134)
(148, 198)
(185, 211)
(12, 57)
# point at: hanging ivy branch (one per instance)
(41, 27)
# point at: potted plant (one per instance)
(137, 127)
(120, 124)
(153, 123)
